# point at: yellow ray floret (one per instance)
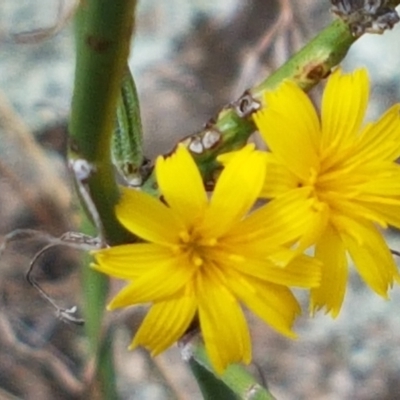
(208, 257)
(349, 173)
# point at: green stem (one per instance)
(106, 371)
(103, 33)
(103, 37)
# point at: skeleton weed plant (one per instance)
(218, 224)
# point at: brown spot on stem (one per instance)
(315, 72)
(98, 44)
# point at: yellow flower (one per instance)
(347, 168)
(205, 257)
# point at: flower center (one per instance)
(196, 247)
(311, 182)
(320, 186)
(312, 178)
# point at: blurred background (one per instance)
(189, 59)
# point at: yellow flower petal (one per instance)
(165, 323)
(181, 184)
(380, 140)
(388, 212)
(275, 304)
(278, 179)
(349, 210)
(284, 221)
(148, 218)
(289, 125)
(131, 260)
(222, 322)
(386, 184)
(344, 104)
(372, 258)
(162, 281)
(236, 190)
(302, 271)
(248, 249)
(329, 295)
(318, 220)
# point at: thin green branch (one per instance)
(233, 125)
(103, 32)
(313, 62)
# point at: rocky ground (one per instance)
(189, 59)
